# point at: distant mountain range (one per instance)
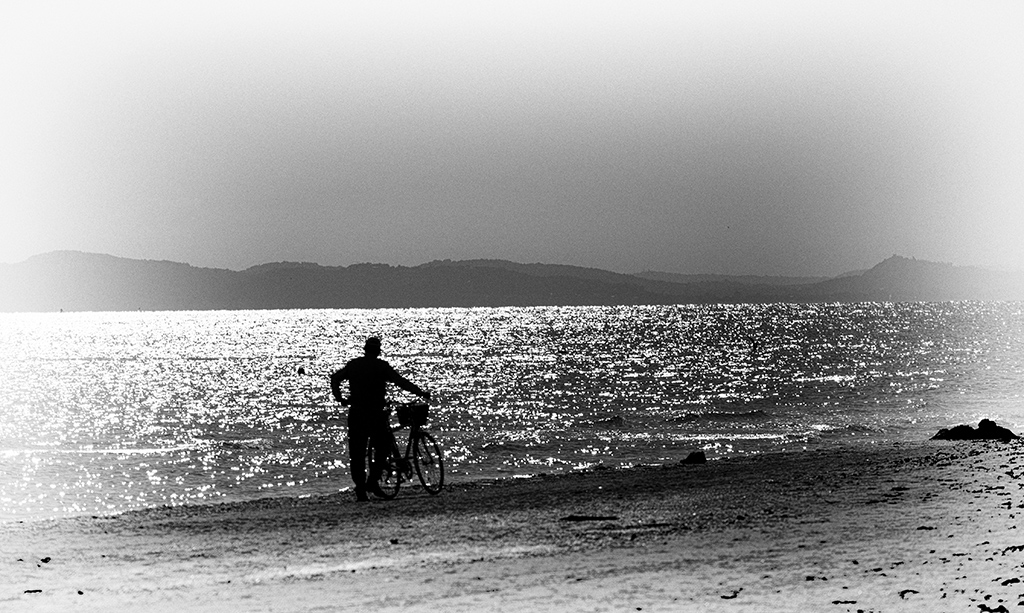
(75, 281)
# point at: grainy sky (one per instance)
(803, 138)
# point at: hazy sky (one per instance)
(779, 137)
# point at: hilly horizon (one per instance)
(78, 281)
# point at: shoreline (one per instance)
(908, 526)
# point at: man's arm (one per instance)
(336, 378)
(407, 385)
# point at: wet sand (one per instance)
(928, 526)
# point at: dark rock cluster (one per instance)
(986, 430)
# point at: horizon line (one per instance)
(495, 259)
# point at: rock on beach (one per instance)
(986, 430)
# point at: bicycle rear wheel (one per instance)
(429, 462)
(390, 476)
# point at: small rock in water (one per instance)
(696, 457)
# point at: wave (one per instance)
(847, 430)
(89, 449)
(758, 415)
(616, 421)
(245, 443)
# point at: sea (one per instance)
(102, 413)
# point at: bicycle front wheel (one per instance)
(390, 476)
(429, 462)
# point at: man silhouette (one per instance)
(368, 377)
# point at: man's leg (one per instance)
(357, 437)
(383, 443)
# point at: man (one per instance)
(368, 377)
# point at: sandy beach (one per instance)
(895, 527)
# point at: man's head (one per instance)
(372, 347)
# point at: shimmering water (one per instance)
(104, 412)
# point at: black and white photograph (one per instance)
(514, 306)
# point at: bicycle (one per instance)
(422, 454)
